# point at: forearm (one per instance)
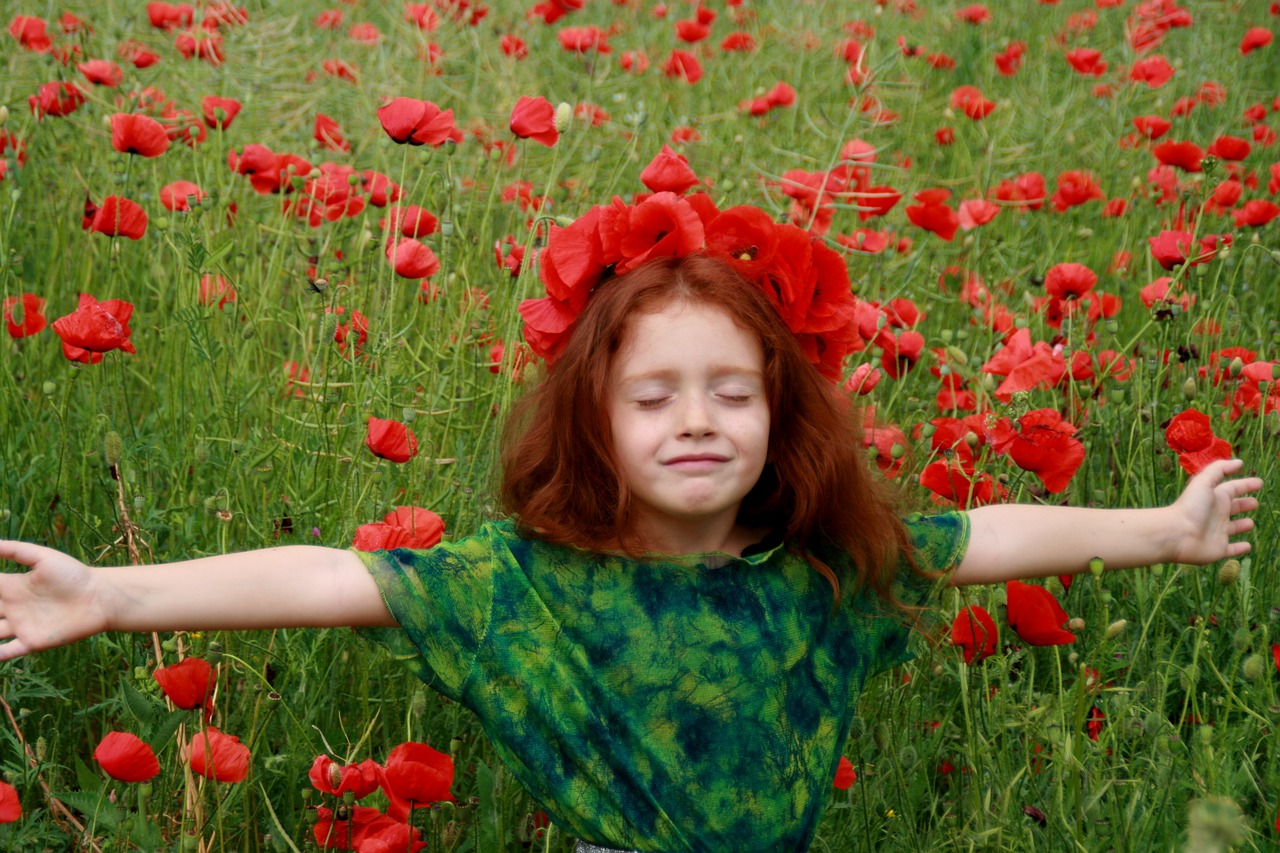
(292, 586)
(1015, 541)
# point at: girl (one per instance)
(666, 640)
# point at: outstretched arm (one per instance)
(61, 600)
(1014, 541)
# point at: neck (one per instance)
(697, 537)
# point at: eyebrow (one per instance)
(717, 371)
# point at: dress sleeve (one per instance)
(938, 543)
(442, 598)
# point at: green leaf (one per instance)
(95, 807)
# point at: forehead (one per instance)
(686, 336)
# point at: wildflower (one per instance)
(391, 440)
(188, 683)
(120, 217)
(932, 214)
(411, 258)
(101, 72)
(219, 112)
(1036, 615)
(682, 65)
(10, 807)
(126, 758)
(845, 774)
(360, 779)
(669, 172)
(1043, 444)
(1255, 38)
(95, 328)
(408, 120)
(179, 195)
(218, 756)
(214, 289)
(31, 319)
(1190, 436)
(419, 774)
(975, 632)
(406, 527)
(534, 118)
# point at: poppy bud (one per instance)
(1076, 624)
(881, 737)
(1189, 389)
(564, 115)
(42, 748)
(113, 448)
(4, 115)
(1229, 572)
(1096, 567)
(49, 388)
(1116, 628)
(1237, 365)
(328, 327)
(1254, 667)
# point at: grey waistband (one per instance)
(584, 847)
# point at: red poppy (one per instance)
(1230, 148)
(970, 100)
(350, 830)
(1043, 443)
(334, 779)
(1069, 280)
(180, 195)
(137, 54)
(419, 774)
(1155, 71)
(1183, 155)
(1171, 248)
(10, 807)
(845, 774)
(329, 134)
(1255, 213)
(863, 380)
(1191, 437)
(200, 44)
(663, 225)
(975, 212)
(634, 61)
(974, 14)
(410, 221)
(391, 440)
(1275, 653)
(1010, 59)
(1152, 127)
(56, 99)
(94, 328)
(216, 290)
(31, 32)
(1075, 188)
(219, 112)
(583, 39)
(955, 482)
(1255, 38)
(218, 756)
(165, 16)
(380, 188)
(1087, 61)
(684, 66)
(412, 259)
(30, 319)
(408, 120)
(932, 214)
(101, 72)
(669, 172)
(126, 758)
(188, 683)
(120, 217)
(975, 632)
(407, 527)
(1036, 616)
(535, 118)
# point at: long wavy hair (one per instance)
(561, 481)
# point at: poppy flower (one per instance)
(406, 527)
(1075, 188)
(584, 39)
(1230, 148)
(1036, 616)
(975, 632)
(126, 758)
(409, 120)
(10, 807)
(1154, 71)
(514, 46)
(188, 683)
(845, 774)
(970, 101)
(1182, 155)
(669, 172)
(391, 440)
(419, 774)
(863, 380)
(1190, 435)
(219, 112)
(1152, 127)
(634, 61)
(932, 214)
(138, 134)
(957, 483)
(410, 221)
(663, 225)
(975, 212)
(683, 65)
(412, 259)
(535, 118)
(334, 779)
(200, 44)
(350, 829)
(120, 217)
(1255, 213)
(218, 756)
(1069, 280)
(55, 99)
(101, 72)
(179, 195)
(1043, 444)
(329, 134)
(1171, 248)
(164, 16)
(1087, 61)
(138, 55)
(30, 319)
(380, 189)
(95, 328)
(216, 290)
(1255, 38)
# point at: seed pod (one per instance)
(1097, 567)
(1254, 667)
(1116, 628)
(1189, 389)
(113, 448)
(1229, 572)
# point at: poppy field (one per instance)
(265, 271)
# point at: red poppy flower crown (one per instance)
(806, 281)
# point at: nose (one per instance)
(696, 417)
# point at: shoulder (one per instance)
(938, 542)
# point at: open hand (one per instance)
(55, 603)
(1210, 507)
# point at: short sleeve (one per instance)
(938, 543)
(441, 597)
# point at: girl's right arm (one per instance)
(61, 600)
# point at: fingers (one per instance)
(26, 553)
(12, 649)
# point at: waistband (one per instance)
(584, 847)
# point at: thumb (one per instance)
(26, 553)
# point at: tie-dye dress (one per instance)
(679, 703)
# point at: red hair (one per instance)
(561, 481)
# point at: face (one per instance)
(690, 422)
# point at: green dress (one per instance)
(679, 703)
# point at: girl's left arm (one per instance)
(1015, 541)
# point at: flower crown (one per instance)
(805, 280)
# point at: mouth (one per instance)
(695, 461)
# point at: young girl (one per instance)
(666, 640)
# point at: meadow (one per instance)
(1060, 222)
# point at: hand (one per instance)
(1208, 506)
(58, 602)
